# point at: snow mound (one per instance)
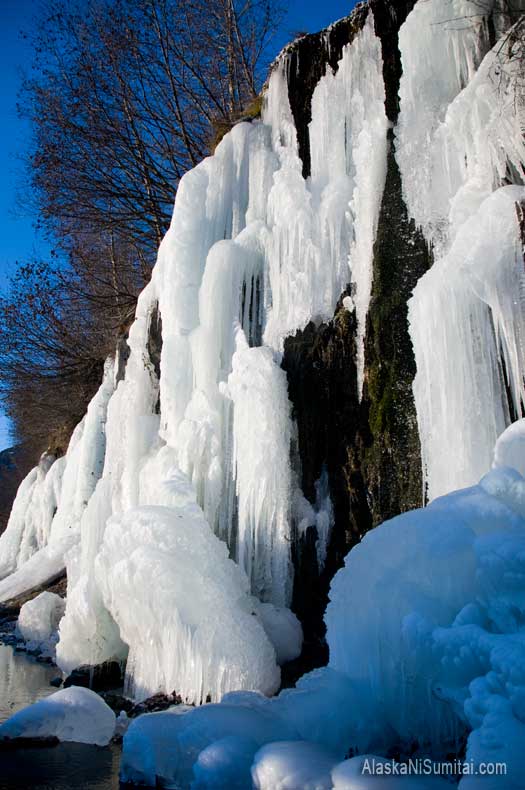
(289, 765)
(194, 631)
(510, 447)
(165, 746)
(436, 632)
(225, 763)
(283, 629)
(72, 714)
(39, 619)
(218, 742)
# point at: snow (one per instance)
(167, 745)
(288, 765)
(72, 714)
(283, 629)
(225, 763)
(39, 619)
(441, 647)
(510, 447)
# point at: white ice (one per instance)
(459, 143)
(193, 631)
(72, 714)
(45, 521)
(38, 621)
(234, 276)
(466, 322)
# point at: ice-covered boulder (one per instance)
(218, 742)
(39, 619)
(73, 714)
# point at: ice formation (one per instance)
(45, 519)
(467, 328)
(204, 429)
(348, 151)
(510, 447)
(458, 142)
(176, 505)
(431, 650)
(72, 714)
(199, 598)
(287, 765)
(38, 620)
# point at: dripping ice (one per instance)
(206, 445)
(459, 143)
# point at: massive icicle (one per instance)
(254, 253)
(460, 138)
(441, 45)
(348, 149)
(466, 317)
(466, 321)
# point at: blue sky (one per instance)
(18, 238)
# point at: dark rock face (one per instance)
(155, 339)
(320, 363)
(121, 357)
(370, 447)
(391, 454)
(154, 345)
(101, 677)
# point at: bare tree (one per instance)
(123, 99)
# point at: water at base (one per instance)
(63, 767)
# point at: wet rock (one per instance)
(98, 678)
